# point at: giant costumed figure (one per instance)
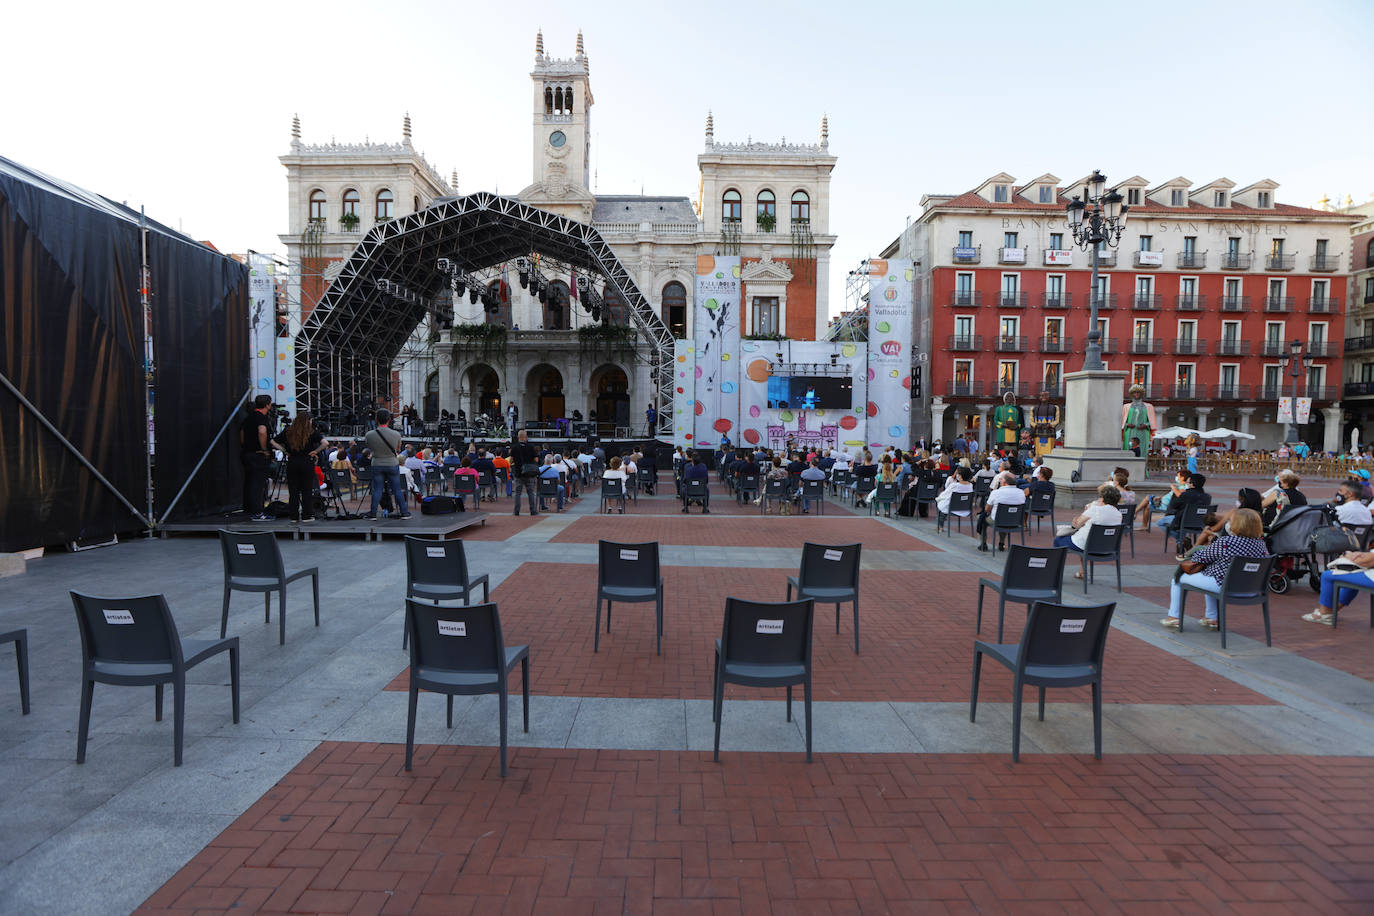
(1137, 420)
(1007, 423)
(1045, 418)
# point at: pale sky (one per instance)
(185, 107)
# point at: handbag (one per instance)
(1333, 540)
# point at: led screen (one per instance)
(810, 392)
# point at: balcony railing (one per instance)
(1010, 343)
(1008, 300)
(1321, 392)
(1058, 257)
(1147, 346)
(968, 255)
(1105, 303)
(1049, 390)
(1270, 393)
(1185, 391)
(1149, 259)
(966, 300)
(1011, 255)
(1369, 297)
(1325, 263)
(1280, 261)
(1192, 260)
(1232, 392)
(1190, 346)
(1353, 344)
(964, 390)
(1233, 347)
(1190, 302)
(1275, 348)
(1358, 389)
(1235, 303)
(1146, 302)
(1320, 349)
(1322, 305)
(1153, 390)
(1016, 389)
(966, 341)
(1278, 303)
(1056, 345)
(1236, 260)
(1056, 300)
(1110, 345)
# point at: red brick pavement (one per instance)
(500, 525)
(348, 831)
(916, 641)
(722, 503)
(771, 531)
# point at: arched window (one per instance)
(1369, 254)
(548, 101)
(558, 100)
(767, 212)
(317, 205)
(351, 201)
(801, 207)
(731, 207)
(384, 203)
(675, 309)
(617, 311)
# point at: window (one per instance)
(1367, 372)
(1230, 332)
(1103, 286)
(1011, 286)
(1144, 290)
(999, 193)
(801, 207)
(1233, 245)
(1316, 335)
(963, 289)
(965, 238)
(1273, 380)
(1190, 245)
(317, 205)
(1006, 375)
(1218, 198)
(1176, 197)
(1054, 372)
(1046, 194)
(963, 374)
(963, 326)
(1273, 335)
(1232, 290)
(1263, 199)
(1227, 378)
(1369, 254)
(766, 211)
(1187, 330)
(1369, 289)
(1009, 240)
(1319, 291)
(1316, 380)
(1146, 241)
(556, 309)
(1144, 329)
(384, 204)
(1321, 249)
(1054, 330)
(500, 313)
(1057, 241)
(1184, 378)
(731, 208)
(1187, 291)
(1140, 374)
(1009, 329)
(1276, 292)
(675, 309)
(351, 201)
(1276, 248)
(764, 319)
(1054, 288)
(415, 205)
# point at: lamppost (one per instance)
(1104, 223)
(1296, 361)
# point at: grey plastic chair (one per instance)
(1246, 583)
(253, 563)
(486, 487)
(813, 492)
(695, 489)
(764, 644)
(460, 651)
(437, 570)
(20, 638)
(861, 487)
(1128, 514)
(548, 489)
(628, 573)
(612, 490)
(748, 487)
(1040, 507)
(829, 574)
(886, 493)
(1007, 519)
(1060, 647)
(1193, 521)
(133, 642)
(773, 491)
(927, 491)
(465, 488)
(1031, 574)
(960, 508)
(1102, 546)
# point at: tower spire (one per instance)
(710, 130)
(581, 52)
(825, 131)
(405, 130)
(295, 130)
(539, 45)
(453, 181)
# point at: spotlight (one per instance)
(544, 295)
(459, 285)
(472, 295)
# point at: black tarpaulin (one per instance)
(71, 342)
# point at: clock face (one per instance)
(557, 139)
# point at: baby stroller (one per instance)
(1293, 542)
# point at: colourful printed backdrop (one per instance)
(888, 407)
(273, 357)
(716, 322)
(684, 393)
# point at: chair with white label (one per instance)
(133, 642)
(253, 563)
(1031, 574)
(764, 644)
(829, 574)
(460, 651)
(1246, 582)
(1060, 647)
(628, 573)
(438, 571)
(1102, 546)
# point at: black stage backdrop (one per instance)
(71, 342)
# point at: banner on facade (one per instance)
(887, 407)
(1061, 257)
(1304, 410)
(717, 318)
(684, 392)
(1285, 414)
(262, 322)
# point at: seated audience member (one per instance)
(1280, 496)
(961, 481)
(887, 473)
(1040, 482)
(866, 468)
(840, 462)
(1366, 491)
(697, 470)
(796, 465)
(341, 461)
(451, 460)
(1163, 503)
(1004, 492)
(501, 466)
(812, 472)
(1245, 499)
(553, 470)
(1101, 511)
(1207, 567)
(1193, 496)
(1349, 509)
(1325, 611)
(616, 472)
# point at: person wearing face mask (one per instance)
(1349, 509)
(1283, 494)
(1177, 487)
(1245, 499)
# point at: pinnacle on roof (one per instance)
(825, 131)
(453, 181)
(405, 130)
(710, 129)
(580, 51)
(296, 127)
(539, 44)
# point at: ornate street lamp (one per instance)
(1097, 219)
(1297, 362)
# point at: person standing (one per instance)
(302, 444)
(385, 444)
(651, 415)
(253, 454)
(512, 415)
(524, 463)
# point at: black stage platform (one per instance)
(432, 526)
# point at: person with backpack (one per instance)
(385, 444)
(524, 461)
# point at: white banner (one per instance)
(1150, 258)
(890, 308)
(1304, 410)
(1013, 255)
(717, 319)
(1061, 257)
(1285, 410)
(262, 323)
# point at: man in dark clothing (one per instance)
(253, 455)
(697, 471)
(524, 468)
(796, 465)
(1190, 498)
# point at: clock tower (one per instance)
(562, 136)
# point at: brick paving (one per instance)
(753, 531)
(348, 831)
(917, 646)
(501, 524)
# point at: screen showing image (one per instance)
(810, 392)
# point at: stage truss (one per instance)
(393, 279)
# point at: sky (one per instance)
(185, 107)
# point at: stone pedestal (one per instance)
(1092, 430)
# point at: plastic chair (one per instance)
(628, 573)
(548, 489)
(927, 491)
(748, 487)
(363, 490)
(773, 491)
(1041, 506)
(612, 489)
(486, 486)
(1031, 574)
(813, 491)
(133, 642)
(253, 563)
(1060, 647)
(460, 651)
(862, 487)
(829, 574)
(960, 508)
(886, 493)
(465, 488)
(20, 638)
(1007, 519)
(1193, 521)
(764, 645)
(695, 489)
(437, 570)
(982, 488)
(434, 478)
(1103, 545)
(1128, 514)
(647, 479)
(841, 480)
(1246, 583)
